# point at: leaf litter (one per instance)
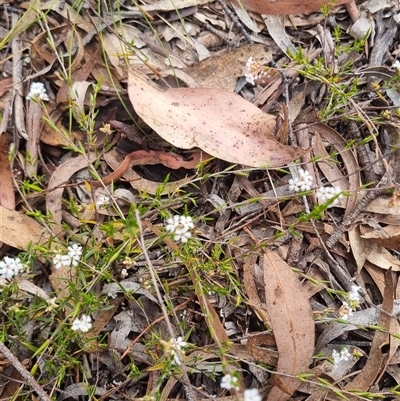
(136, 129)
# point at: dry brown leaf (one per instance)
(221, 71)
(54, 137)
(377, 274)
(292, 322)
(7, 196)
(251, 290)
(377, 360)
(293, 7)
(219, 122)
(333, 137)
(19, 230)
(59, 178)
(383, 203)
(256, 347)
(388, 237)
(367, 249)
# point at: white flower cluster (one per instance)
(252, 394)
(230, 382)
(254, 71)
(343, 355)
(396, 65)
(324, 194)
(177, 345)
(71, 259)
(38, 91)
(352, 303)
(83, 324)
(302, 183)
(10, 267)
(180, 227)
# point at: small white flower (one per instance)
(252, 395)
(254, 71)
(60, 261)
(228, 382)
(324, 194)
(343, 355)
(353, 301)
(103, 201)
(396, 65)
(71, 259)
(75, 253)
(180, 227)
(51, 302)
(37, 90)
(177, 345)
(83, 324)
(353, 295)
(302, 183)
(10, 267)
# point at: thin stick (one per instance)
(23, 372)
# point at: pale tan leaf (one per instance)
(277, 31)
(19, 230)
(7, 196)
(219, 122)
(359, 247)
(292, 322)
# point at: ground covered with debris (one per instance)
(199, 199)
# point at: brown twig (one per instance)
(23, 372)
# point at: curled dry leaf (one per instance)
(292, 323)
(368, 249)
(219, 122)
(293, 7)
(122, 167)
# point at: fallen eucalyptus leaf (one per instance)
(219, 122)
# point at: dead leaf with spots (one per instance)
(219, 122)
(293, 7)
(292, 324)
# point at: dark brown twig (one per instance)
(233, 18)
(23, 372)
